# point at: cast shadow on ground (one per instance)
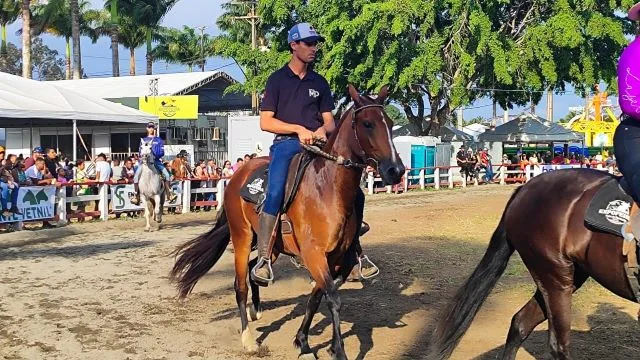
(383, 303)
(612, 334)
(72, 251)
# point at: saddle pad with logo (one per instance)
(254, 189)
(609, 208)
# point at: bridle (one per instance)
(347, 163)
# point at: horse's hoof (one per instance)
(307, 356)
(335, 356)
(147, 229)
(253, 314)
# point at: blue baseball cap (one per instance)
(303, 32)
(151, 124)
(38, 150)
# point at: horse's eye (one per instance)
(368, 124)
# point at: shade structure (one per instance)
(529, 128)
(25, 102)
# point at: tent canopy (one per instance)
(529, 128)
(25, 102)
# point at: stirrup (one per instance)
(261, 262)
(296, 263)
(365, 258)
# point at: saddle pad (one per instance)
(254, 189)
(609, 208)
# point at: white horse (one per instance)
(151, 186)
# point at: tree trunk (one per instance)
(67, 74)
(26, 39)
(3, 48)
(75, 35)
(132, 62)
(115, 54)
(149, 52)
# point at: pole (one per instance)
(253, 19)
(75, 140)
(549, 105)
(202, 28)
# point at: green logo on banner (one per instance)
(35, 199)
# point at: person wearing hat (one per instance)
(626, 140)
(297, 107)
(157, 148)
(37, 153)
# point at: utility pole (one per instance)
(202, 28)
(549, 105)
(253, 19)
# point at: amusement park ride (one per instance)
(597, 129)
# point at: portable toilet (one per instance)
(430, 157)
(418, 160)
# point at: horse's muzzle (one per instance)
(391, 172)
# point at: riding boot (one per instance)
(364, 228)
(135, 200)
(262, 272)
(171, 196)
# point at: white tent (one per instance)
(30, 103)
(22, 98)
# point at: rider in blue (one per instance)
(157, 147)
(294, 98)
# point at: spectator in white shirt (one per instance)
(103, 169)
(35, 173)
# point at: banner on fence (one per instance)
(548, 167)
(35, 203)
(121, 197)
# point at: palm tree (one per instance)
(183, 47)
(9, 12)
(53, 18)
(149, 14)
(26, 38)
(132, 36)
(106, 23)
(75, 36)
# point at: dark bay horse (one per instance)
(323, 217)
(560, 252)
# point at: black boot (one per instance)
(262, 272)
(135, 200)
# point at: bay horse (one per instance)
(561, 253)
(323, 217)
(151, 186)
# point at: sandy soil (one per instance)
(100, 291)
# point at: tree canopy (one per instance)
(440, 55)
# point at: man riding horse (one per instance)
(293, 98)
(157, 148)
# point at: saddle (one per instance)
(609, 211)
(254, 191)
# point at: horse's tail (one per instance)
(196, 257)
(461, 310)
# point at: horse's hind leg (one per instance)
(242, 248)
(301, 340)
(255, 309)
(531, 315)
(158, 210)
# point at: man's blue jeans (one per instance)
(282, 152)
(4, 193)
(159, 166)
(489, 172)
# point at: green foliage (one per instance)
(440, 55)
(475, 120)
(183, 47)
(398, 117)
(47, 63)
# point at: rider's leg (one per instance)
(282, 153)
(135, 200)
(626, 142)
(171, 196)
(4, 196)
(14, 199)
(367, 268)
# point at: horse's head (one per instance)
(145, 152)
(372, 129)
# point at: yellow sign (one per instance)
(183, 107)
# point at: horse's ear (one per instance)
(355, 96)
(382, 95)
(141, 141)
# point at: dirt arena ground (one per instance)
(100, 291)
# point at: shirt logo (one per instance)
(313, 93)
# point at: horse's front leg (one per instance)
(158, 210)
(147, 214)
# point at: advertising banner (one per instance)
(121, 197)
(184, 107)
(35, 203)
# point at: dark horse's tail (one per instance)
(458, 315)
(196, 257)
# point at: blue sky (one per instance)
(97, 57)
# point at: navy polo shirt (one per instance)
(298, 101)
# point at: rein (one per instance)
(315, 148)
